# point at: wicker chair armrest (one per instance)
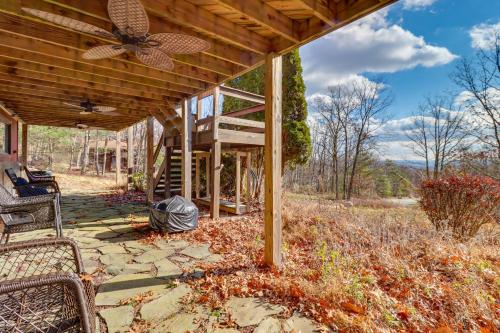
(35, 178)
(51, 184)
(28, 204)
(79, 304)
(43, 247)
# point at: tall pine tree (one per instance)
(296, 136)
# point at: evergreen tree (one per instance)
(296, 136)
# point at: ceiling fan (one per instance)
(130, 28)
(83, 126)
(87, 107)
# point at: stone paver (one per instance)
(269, 325)
(112, 248)
(167, 269)
(122, 287)
(197, 251)
(250, 311)
(118, 319)
(152, 255)
(301, 324)
(125, 267)
(166, 305)
(179, 323)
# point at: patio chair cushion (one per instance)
(30, 190)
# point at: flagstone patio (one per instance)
(144, 285)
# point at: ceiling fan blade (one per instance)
(103, 108)
(73, 105)
(155, 58)
(104, 51)
(68, 22)
(179, 43)
(129, 16)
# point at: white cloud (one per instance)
(417, 4)
(370, 45)
(483, 35)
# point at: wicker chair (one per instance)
(41, 178)
(25, 189)
(43, 288)
(27, 214)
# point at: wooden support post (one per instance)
(272, 160)
(249, 180)
(149, 159)
(238, 182)
(199, 106)
(216, 165)
(24, 160)
(207, 173)
(168, 170)
(130, 155)
(197, 175)
(186, 160)
(118, 159)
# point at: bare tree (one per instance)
(85, 153)
(349, 119)
(437, 133)
(480, 78)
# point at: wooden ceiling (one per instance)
(41, 65)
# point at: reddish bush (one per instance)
(461, 203)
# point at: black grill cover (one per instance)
(173, 215)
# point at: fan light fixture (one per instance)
(131, 29)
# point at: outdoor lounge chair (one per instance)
(26, 189)
(37, 177)
(43, 288)
(31, 213)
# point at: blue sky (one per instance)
(413, 45)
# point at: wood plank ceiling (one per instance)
(41, 65)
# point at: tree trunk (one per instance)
(96, 153)
(85, 154)
(105, 155)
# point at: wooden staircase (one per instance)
(174, 176)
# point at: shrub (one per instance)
(461, 203)
(138, 181)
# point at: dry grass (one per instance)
(358, 270)
(74, 181)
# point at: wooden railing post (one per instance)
(216, 162)
(272, 161)
(130, 155)
(24, 156)
(186, 136)
(149, 159)
(118, 158)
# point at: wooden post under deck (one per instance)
(130, 155)
(118, 158)
(186, 158)
(216, 163)
(24, 159)
(238, 182)
(272, 161)
(149, 159)
(249, 182)
(168, 170)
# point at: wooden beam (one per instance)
(248, 166)
(186, 147)
(130, 155)
(272, 161)
(197, 176)
(158, 146)
(320, 10)
(149, 159)
(183, 63)
(241, 94)
(118, 159)
(238, 182)
(241, 122)
(24, 134)
(265, 15)
(183, 12)
(111, 65)
(215, 184)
